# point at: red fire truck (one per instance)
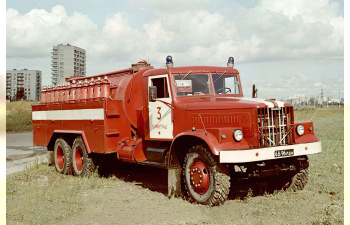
(192, 121)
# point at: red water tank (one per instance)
(72, 92)
(60, 93)
(97, 88)
(78, 91)
(84, 88)
(66, 92)
(54, 94)
(105, 87)
(90, 90)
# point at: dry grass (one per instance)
(40, 195)
(19, 116)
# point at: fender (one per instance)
(308, 136)
(208, 138)
(57, 133)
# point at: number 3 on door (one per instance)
(160, 115)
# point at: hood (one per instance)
(230, 103)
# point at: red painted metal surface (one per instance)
(97, 86)
(60, 93)
(90, 90)
(77, 96)
(199, 176)
(83, 93)
(43, 95)
(105, 87)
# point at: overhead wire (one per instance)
(27, 61)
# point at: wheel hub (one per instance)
(79, 158)
(199, 177)
(60, 157)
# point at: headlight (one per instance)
(238, 135)
(300, 130)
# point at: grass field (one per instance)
(40, 195)
(19, 116)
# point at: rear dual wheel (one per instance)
(82, 163)
(205, 181)
(63, 156)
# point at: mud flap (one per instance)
(174, 182)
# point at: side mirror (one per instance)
(255, 92)
(152, 93)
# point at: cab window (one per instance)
(162, 87)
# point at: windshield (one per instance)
(192, 84)
(226, 84)
(199, 84)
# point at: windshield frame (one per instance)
(211, 89)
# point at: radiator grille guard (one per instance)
(275, 125)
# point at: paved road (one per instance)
(20, 151)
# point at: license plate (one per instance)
(284, 153)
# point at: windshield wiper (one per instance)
(220, 76)
(186, 75)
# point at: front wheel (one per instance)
(206, 183)
(293, 181)
(299, 181)
(82, 163)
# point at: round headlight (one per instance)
(238, 135)
(300, 130)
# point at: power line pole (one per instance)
(339, 97)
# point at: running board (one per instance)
(155, 164)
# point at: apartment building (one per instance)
(23, 84)
(67, 61)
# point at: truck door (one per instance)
(160, 112)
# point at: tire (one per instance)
(82, 164)
(299, 180)
(62, 156)
(204, 180)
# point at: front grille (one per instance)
(274, 126)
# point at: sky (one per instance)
(283, 47)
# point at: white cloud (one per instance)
(192, 33)
(310, 11)
(272, 30)
(34, 33)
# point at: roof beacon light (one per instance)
(230, 62)
(169, 61)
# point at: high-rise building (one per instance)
(67, 61)
(23, 84)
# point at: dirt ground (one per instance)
(137, 194)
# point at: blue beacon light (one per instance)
(169, 62)
(230, 62)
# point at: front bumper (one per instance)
(259, 154)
